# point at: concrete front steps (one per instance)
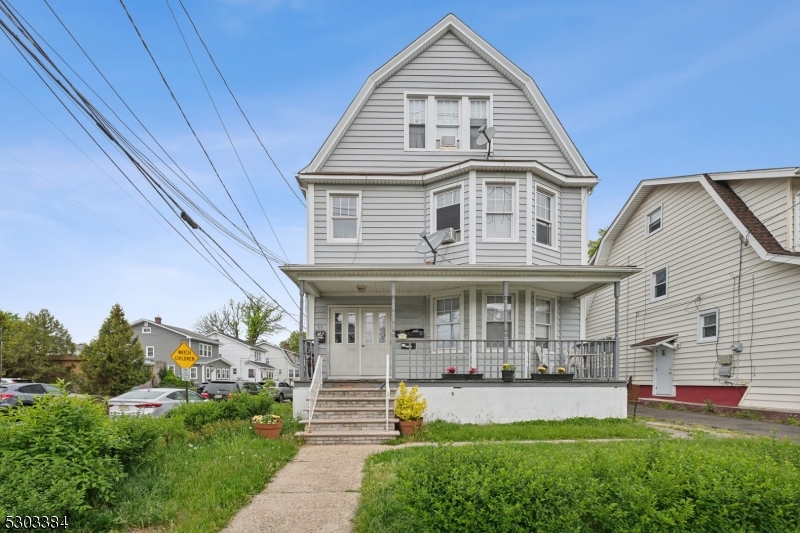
(350, 413)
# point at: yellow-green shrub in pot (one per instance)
(408, 407)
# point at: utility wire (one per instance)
(237, 103)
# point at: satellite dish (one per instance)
(484, 135)
(430, 243)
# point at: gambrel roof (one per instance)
(715, 184)
(451, 24)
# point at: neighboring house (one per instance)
(284, 361)
(406, 158)
(714, 313)
(159, 341)
(248, 361)
(71, 362)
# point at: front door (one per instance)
(344, 343)
(374, 341)
(359, 341)
(662, 372)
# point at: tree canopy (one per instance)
(28, 344)
(293, 342)
(252, 320)
(594, 244)
(114, 361)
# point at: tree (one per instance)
(114, 361)
(594, 244)
(29, 343)
(252, 320)
(293, 342)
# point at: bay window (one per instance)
(499, 212)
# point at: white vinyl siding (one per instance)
(375, 138)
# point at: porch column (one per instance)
(391, 337)
(616, 330)
(505, 322)
(300, 336)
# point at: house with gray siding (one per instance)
(510, 280)
(160, 340)
(714, 313)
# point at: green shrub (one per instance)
(237, 407)
(658, 486)
(136, 436)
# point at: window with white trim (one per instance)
(448, 210)
(494, 317)
(478, 117)
(416, 123)
(204, 349)
(208, 373)
(658, 284)
(150, 352)
(223, 374)
(280, 372)
(257, 356)
(447, 124)
(193, 373)
(707, 326)
(251, 373)
(171, 367)
(146, 330)
(499, 212)
(447, 316)
(233, 371)
(542, 318)
(344, 217)
(266, 360)
(544, 217)
(653, 220)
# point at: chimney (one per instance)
(158, 320)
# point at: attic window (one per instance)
(478, 117)
(654, 221)
(145, 330)
(447, 130)
(416, 123)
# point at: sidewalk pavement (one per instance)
(742, 425)
(317, 491)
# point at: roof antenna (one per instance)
(485, 136)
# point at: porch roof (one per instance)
(373, 280)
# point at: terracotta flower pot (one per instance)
(410, 427)
(269, 431)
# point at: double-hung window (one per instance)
(223, 374)
(658, 284)
(416, 123)
(193, 373)
(205, 350)
(448, 210)
(707, 324)
(344, 217)
(496, 318)
(251, 373)
(478, 118)
(653, 220)
(447, 124)
(146, 329)
(257, 356)
(208, 373)
(499, 212)
(448, 322)
(542, 318)
(544, 217)
(150, 352)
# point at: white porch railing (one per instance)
(313, 392)
(429, 359)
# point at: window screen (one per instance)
(416, 123)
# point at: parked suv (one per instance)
(24, 393)
(219, 390)
(283, 391)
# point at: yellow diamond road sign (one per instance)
(184, 356)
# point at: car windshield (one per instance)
(140, 395)
(49, 389)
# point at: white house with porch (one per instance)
(510, 280)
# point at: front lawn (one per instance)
(574, 428)
(660, 485)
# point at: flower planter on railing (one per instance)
(536, 376)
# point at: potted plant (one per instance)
(268, 426)
(408, 407)
(559, 375)
(542, 369)
(508, 372)
(451, 374)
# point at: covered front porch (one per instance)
(430, 318)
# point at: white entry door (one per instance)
(662, 372)
(344, 345)
(374, 341)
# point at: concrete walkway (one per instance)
(742, 425)
(317, 492)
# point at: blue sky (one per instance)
(645, 89)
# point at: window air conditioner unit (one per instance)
(448, 140)
(449, 236)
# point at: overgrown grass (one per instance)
(573, 428)
(199, 484)
(655, 486)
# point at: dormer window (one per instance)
(447, 124)
(654, 221)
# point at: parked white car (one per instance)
(150, 402)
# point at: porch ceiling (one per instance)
(425, 279)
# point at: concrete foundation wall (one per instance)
(502, 402)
